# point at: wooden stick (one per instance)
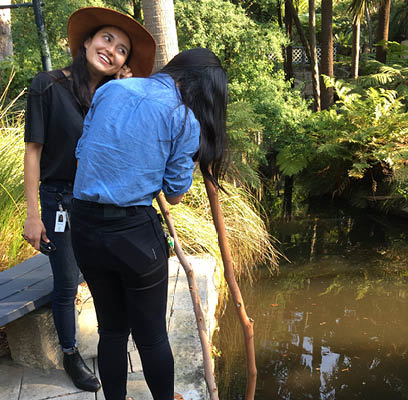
(246, 323)
(198, 311)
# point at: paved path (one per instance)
(22, 383)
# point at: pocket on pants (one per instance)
(136, 249)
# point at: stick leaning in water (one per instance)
(195, 298)
(247, 324)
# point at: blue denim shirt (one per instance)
(138, 139)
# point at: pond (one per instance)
(333, 324)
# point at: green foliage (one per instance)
(353, 150)
(22, 78)
(393, 75)
(245, 140)
(398, 20)
(13, 249)
(292, 159)
(243, 45)
(361, 147)
(248, 238)
(27, 58)
(259, 10)
(251, 52)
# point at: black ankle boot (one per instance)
(80, 374)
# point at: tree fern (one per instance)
(390, 76)
(362, 140)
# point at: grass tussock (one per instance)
(248, 238)
(13, 249)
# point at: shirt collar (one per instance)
(163, 78)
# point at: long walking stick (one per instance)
(247, 324)
(198, 311)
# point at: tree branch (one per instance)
(195, 298)
(247, 324)
(299, 28)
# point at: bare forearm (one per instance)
(34, 228)
(31, 179)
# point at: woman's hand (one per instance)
(34, 231)
(124, 72)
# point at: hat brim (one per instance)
(84, 21)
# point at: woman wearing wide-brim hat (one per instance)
(105, 45)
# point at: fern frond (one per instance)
(387, 75)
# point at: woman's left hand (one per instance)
(124, 72)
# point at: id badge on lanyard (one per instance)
(61, 217)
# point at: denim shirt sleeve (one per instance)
(178, 175)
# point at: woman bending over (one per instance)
(142, 136)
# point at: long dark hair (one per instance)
(203, 87)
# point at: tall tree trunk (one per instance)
(280, 22)
(369, 27)
(288, 66)
(6, 44)
(382, 30)
(327, 51)
(289, 11)
(159, 20)
(355, 51)
(279, 13)
(313, 55)
(287, 199)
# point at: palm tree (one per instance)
(357, 9)
(6, 45)
(355, 50)
(159, 20)
(327, 51)
(382, 30)
(369, 27)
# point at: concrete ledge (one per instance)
(183, 334)
(33, 340)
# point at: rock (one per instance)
(33, 340)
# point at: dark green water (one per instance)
(334, 323)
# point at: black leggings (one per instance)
(122, 253)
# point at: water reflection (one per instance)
(333, 324)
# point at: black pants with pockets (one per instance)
(123, 255)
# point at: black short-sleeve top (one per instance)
(55, 119)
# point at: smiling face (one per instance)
(107, 51)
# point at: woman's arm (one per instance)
(173, 200)
(178, 175)
(34, 228)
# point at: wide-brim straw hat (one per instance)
(85, 21)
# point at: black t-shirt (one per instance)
(55, 119)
